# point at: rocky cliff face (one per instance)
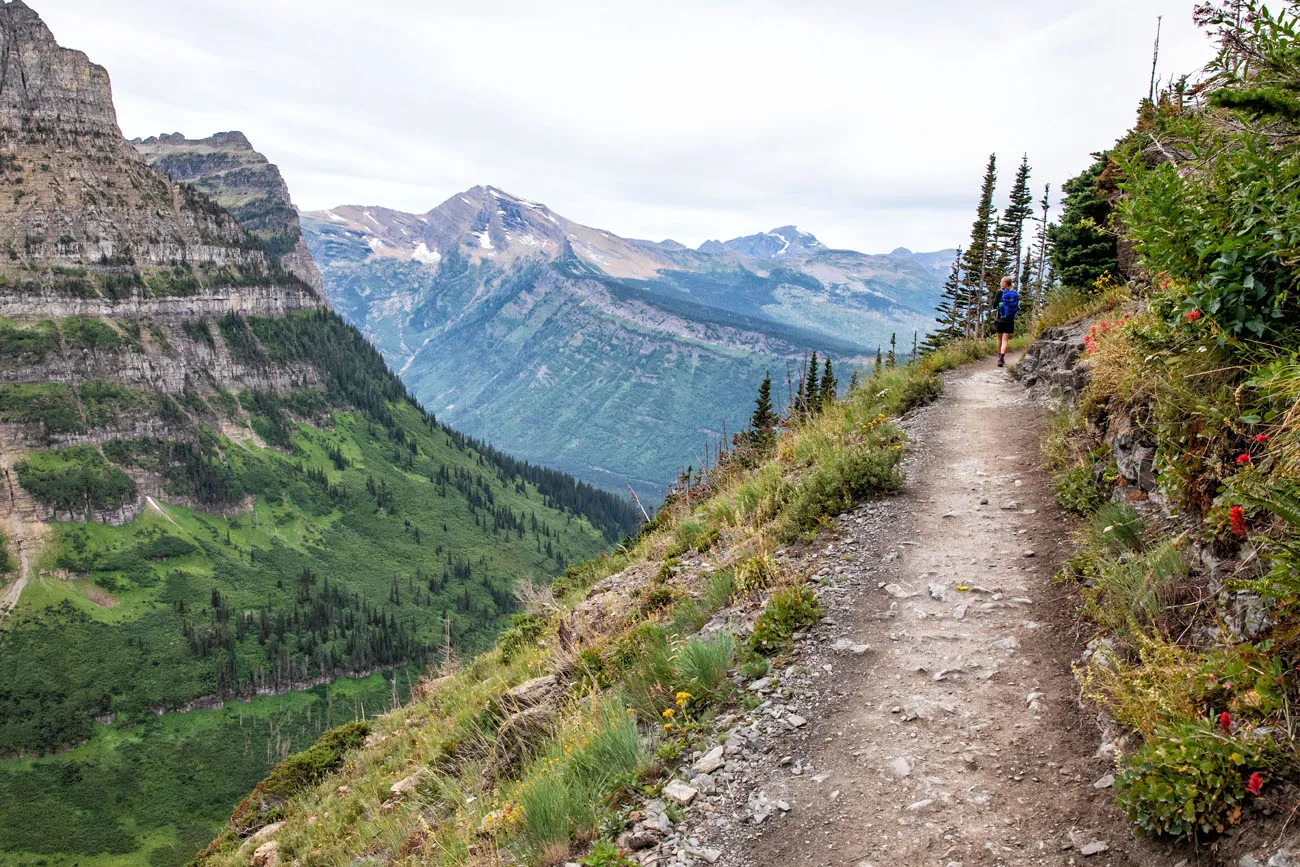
(227, 168)
(82, 216)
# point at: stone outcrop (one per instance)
(226, 167)
(1051, 368)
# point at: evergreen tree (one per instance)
(853, 381)
(762, 425)
(951, 312)
(829, 387)
(976, 261)
(878, 361)
(1082, 250)
(892, 358)
(915, 336)
(1011, 231)
(1044, 232)
(814, 391)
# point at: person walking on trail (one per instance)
(1008, 305)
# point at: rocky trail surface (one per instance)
(933, 718)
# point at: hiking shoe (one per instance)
(1002, 361)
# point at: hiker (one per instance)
(1008, 304)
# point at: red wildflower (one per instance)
(1092, 330)
(1237, 518)
(1192, 315)
(1225, 721)
(1261, 438)
(1243, 459)
(1256, 784)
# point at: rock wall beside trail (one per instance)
(1051, 369)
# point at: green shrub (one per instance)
(789, 611)
(920, 390)
(1131, 592)
(525, 632)
(605, 854)
(1187, 782)
(1078, 491)
(295, 774)
(839, 480)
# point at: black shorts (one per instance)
(1004, 326)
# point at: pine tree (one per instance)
(1012, 229)
(915, 336)
(951, 311)
(853, 381)
(1044, 232)
(814, 391)
(878, 362)
(976, 262)
(763, 423)
(829, 387)
(892, 358)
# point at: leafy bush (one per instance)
(838, 482)
(1187, 782)
(295, 774)
(522, 634)
(789, 611)
(606, 854)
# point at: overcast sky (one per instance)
(866, 123)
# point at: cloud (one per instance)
(865, 122)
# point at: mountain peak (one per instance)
(780, 243)
(44, 84)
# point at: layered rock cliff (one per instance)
(87, 226)
(227, 168)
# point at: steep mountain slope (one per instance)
(227, 168)
(614, 359)
(212, 488)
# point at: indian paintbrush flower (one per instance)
(1256, 784)
(1225, 721)
(1237, 520)
(1192, 315)
(1243, 460)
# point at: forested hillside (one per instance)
(213, 489)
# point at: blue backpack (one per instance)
(1009, 306)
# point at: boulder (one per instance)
(267, 855)
(518, 739)
(538, 691)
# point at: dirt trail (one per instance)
(957, 739)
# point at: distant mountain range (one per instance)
(613, 359)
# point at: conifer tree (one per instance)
(853, 381)
(1044, 232)
(763, 423)
(975, 263)
(951, 311)
(878, 361)
(829, 387)
(892, 358)
(814, 392)
(1012, 228)
(915, 336)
